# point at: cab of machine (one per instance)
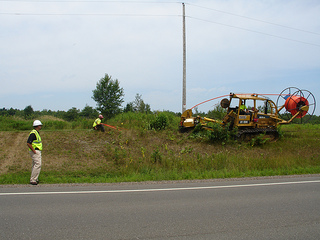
(251, 110)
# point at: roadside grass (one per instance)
(76, 154)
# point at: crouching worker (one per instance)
(35, 147)
(97, 125)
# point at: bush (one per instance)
(160, 123)
(221, 134)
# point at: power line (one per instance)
(254, 31)
(161, 2)
(160, 15)
(155, 15)
(92, 14)
(254, 19)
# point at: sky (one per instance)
(53, 53)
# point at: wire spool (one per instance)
(294, 103)
(291, 100)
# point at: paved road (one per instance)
(267, 208)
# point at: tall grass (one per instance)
(12, 123)
(74, 153)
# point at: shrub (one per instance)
(221, 134)
(160, 123)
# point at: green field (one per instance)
(73, 153)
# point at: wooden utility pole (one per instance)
(184, 91)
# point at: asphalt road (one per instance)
(263, 208)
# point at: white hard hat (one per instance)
(37, 123)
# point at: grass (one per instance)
(74, 153)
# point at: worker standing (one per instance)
(97, 125)
(35, 147)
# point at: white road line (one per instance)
(160, 189)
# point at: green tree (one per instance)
(139, 105)
(129, 107)
(108, 96)
(89, 112)
(46, 112)
(28, 112)
(72, 114)
(3, 112)
(12, 111)
(59, 114)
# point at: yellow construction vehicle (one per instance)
(254, 114)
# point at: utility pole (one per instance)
(184, 92)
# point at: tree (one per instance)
(89, 112)
(3, 112)
(12, 111)
(28, 111)
(129, 107)
(109, 96)
(72, 114)
(138, 105)
(46, 112)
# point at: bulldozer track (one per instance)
(248, 134)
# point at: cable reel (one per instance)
(291, 100)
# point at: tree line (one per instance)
(108, 96)
(70, 115)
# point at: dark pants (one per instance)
(99, 128)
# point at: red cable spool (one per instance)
(294, 103)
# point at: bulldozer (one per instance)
(263, 116)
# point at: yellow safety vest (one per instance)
(97, 122)
(36, 143)
(243, 107)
